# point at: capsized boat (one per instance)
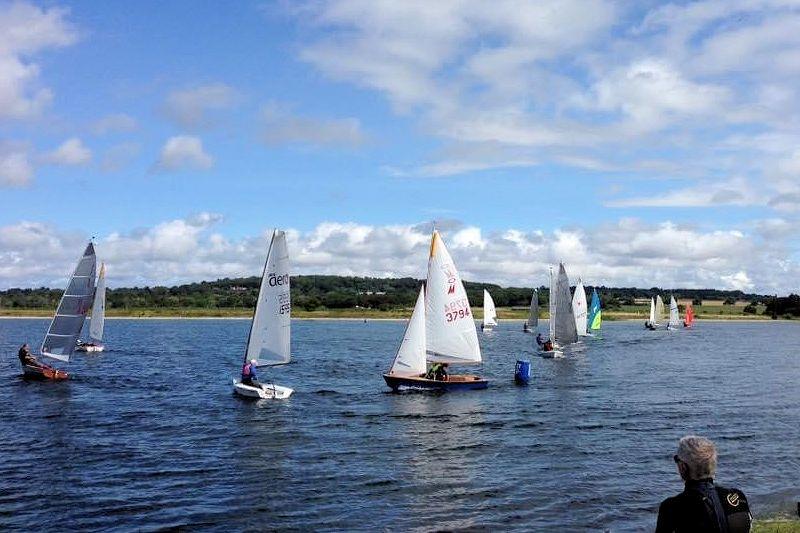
(489, 312)
(562, 319)
(579, 309)
(595, 312)
(67, 323)
(689, 320)
(268, 342)
(441, 331)
(532, 323)
(674, 316)
(97, 322)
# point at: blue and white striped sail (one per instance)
(64, 330)
(595, 312)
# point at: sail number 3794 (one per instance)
(456, 310)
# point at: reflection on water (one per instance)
(149, 435)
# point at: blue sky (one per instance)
(643, 145)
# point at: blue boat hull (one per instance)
(454, 383)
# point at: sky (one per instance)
(641, 143)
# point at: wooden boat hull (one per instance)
(43, 373)
(454, 383)
(267, 391)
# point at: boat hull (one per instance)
(454, 383)
(89, 348)
(43, 373)
(267, 391)
(551, 354)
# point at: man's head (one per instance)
(696, 458)
(253, 362)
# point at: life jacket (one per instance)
(247, 370)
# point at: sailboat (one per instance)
(659, 311)
(533, 317)
(651, 322)
(689, 320)
(595, 312)
(579, 308)
(97, 322)
(67, 323)
(562, 319)
(441, 331)
(674, 316)
(268, 342)
(489, 312)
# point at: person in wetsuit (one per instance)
(703, 505)
(539, 339)
(26, 357)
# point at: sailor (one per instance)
(249, 374)
(26, 357)
(539, 339)
(702, 506)
(547, 346)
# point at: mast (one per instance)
(552, 306)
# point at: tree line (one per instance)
(313, 293)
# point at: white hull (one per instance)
(88, 348)
(267, 391)
(552, 354)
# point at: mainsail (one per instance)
(552, 306)
(269, 340)
(674, 317)
(98, 307)
(579, 308)
(59, 342)
(533, 317)
(410, 358)
(659, 309)
(595, 312)
(652, 312)
(449, 327)
(565, 331)
(489, 312)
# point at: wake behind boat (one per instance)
(268, 343)
(67, 323)
(97, 322)
(441, 331)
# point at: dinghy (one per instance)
(489, 312)
(651, 322)
(579, 309)
(595, 312)
(441, 331)
(562, 319)
(659, 311)
(532, 323)
(67, 323)
(268, 342)
(689, 320)
(674, 316)
(97, 322)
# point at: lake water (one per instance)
(148, 434)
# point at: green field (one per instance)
(776, 526)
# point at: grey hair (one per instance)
(700, 456)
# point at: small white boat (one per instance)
(489, 312)
(562, 319)
(97, 322)
(674, 315)
(579, 310)
(269, 341)
(532, 323)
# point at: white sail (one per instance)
(489, 311)
(579, 308)
(533, 316)
(552, 307)
(269, 341)
(98, 307)
(67, 323)
(652, 311)
(450, 331)
(674, 316)
(565, 331)
(659, 309)
(410, 358)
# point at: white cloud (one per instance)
(16, 169)
(194, 108)
(737, 191)
(279, 126)
(183, 152)
(71, 152)
(626, 253)
(26, 30)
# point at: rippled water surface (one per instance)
(148, 434)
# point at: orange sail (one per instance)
(689, 316)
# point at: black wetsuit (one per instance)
(703, 506)
(26, 358)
